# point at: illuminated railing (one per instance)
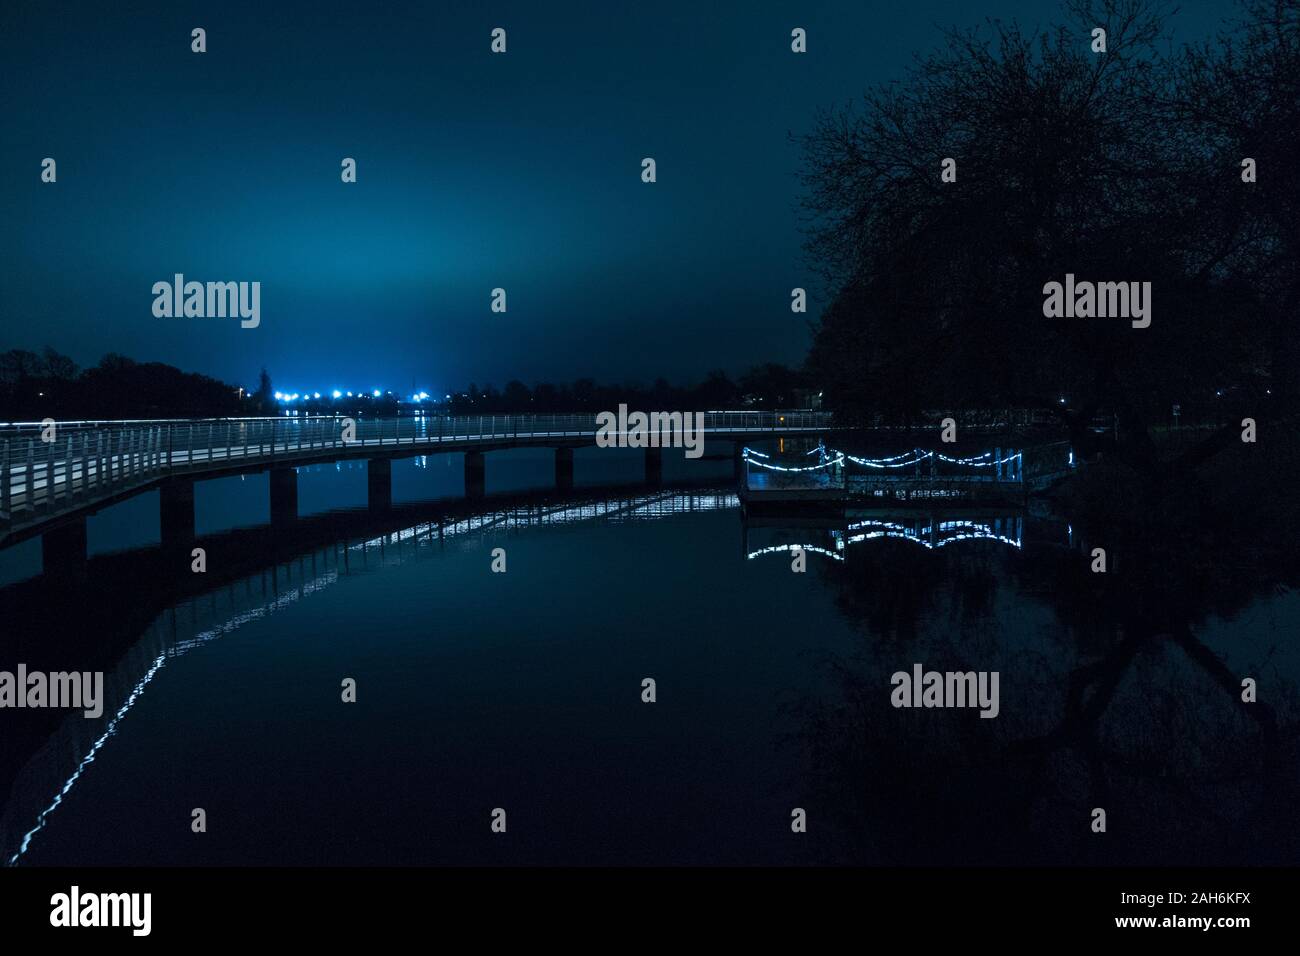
(87, 461)
(833, 468)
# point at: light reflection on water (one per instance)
(522, 690)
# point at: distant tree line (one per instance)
(762, 387)
(50, 385)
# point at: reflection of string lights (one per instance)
(771, 549)
(85, 761)
(952, 531)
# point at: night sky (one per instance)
(474, 171)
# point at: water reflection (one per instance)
(1120, 691)
(198, 621)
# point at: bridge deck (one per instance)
(90, 465)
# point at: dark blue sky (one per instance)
(475, 171)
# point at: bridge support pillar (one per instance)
(654, 466)
(564, 469)
(379, 484)
(475, 474)
(284, 496)
(176, 513)
(738, 461)
(63, 550)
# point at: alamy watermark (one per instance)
(211, 300)
(653, 430)
(77, 909)
(1102, 300)
(62, 689)
(922, 688)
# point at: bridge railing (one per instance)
(835, 470)
(85, 460)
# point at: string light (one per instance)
(976, 463)
(762, 464)
(896, 461)
(890, 462)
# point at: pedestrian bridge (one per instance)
(50, 478)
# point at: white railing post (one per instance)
(67, 469)
(4, 477)
(51, 471)
(83, 460)
(49, 475)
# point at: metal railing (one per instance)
(88, 461)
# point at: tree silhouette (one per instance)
(1100, 165)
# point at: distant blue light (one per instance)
(337, 393)
(377, 393)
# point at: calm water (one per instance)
(522, 690)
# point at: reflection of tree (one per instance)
(1111, 696)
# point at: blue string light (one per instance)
(894, 461)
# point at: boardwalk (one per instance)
(88, 465)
